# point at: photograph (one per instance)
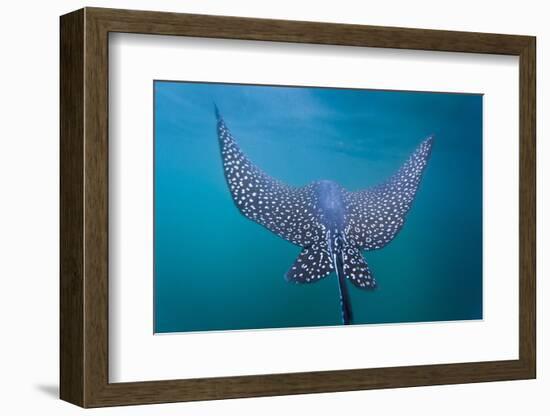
(304, 206)
(261, 203)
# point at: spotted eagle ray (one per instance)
(331, 225)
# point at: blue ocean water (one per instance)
(217, 270)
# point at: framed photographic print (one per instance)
(255, 207)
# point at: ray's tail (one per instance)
(345, 303)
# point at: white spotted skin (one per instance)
(289, 212)
(323, 218)
(377, 214)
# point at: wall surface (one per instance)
(29, 210)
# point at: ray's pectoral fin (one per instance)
(377, 214)
(356, 269)
(312, 265)
(285, 210)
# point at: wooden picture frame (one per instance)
(84, 207)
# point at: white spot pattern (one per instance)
(287, 211)
(312, 265)
(376, 215)
(356, 269)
